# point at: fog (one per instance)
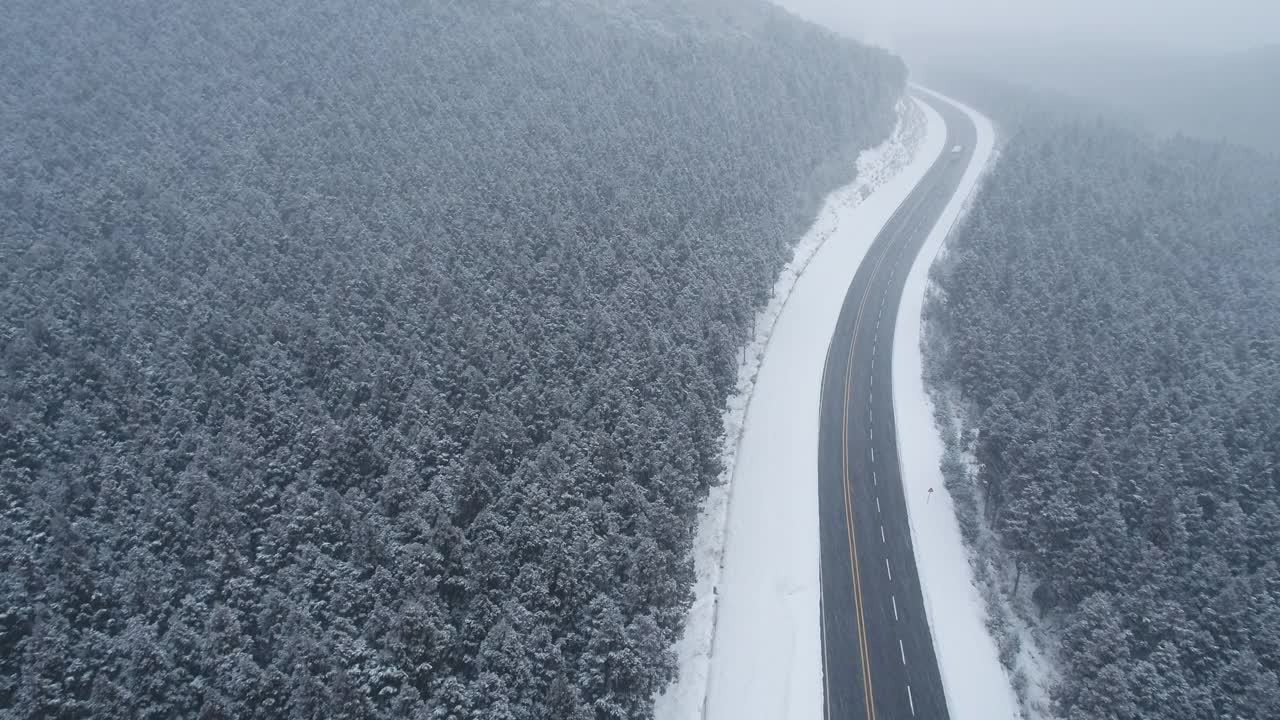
(1197, 26)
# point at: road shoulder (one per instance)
(975, 682)
(758, 598)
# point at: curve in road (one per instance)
(878, 655)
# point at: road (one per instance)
(878, 656)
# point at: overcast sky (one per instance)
(1200, 25)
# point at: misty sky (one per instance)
(1199, 25)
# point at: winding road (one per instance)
(878, 655)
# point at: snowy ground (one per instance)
(1025, 639)
(976, 684)
(752, 646)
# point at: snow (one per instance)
(752, 646)
(976, 684)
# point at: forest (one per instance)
(367, 360)
(1107, 312)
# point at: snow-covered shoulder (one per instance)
(752, 645)
(976, 684)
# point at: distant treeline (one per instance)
(1110, 311)
(1228, 96)
(368, 359)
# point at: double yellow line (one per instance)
(863, 647)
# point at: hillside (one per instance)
(1107, 314)
(367, 360)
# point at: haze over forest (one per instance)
(1189, 26)
(1173, 67)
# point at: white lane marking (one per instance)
(872, 381)
(877, 504)
(894, 599)
(873, 454)
(822, 618)
(873, 478)
(872, 433)
(902, 651)
(913, 702)
(882, 535)
(886, 568)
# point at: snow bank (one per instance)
(976, 684)
(752, 646)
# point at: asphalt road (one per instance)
(878, 655)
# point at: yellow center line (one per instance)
(863, 645)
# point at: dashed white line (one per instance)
(894, 599)
(877, 504)
(902, 651)
(886, 568)
(873, 478)
(882, 535)
(911, 701)
(873, 454)
(871, 432)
